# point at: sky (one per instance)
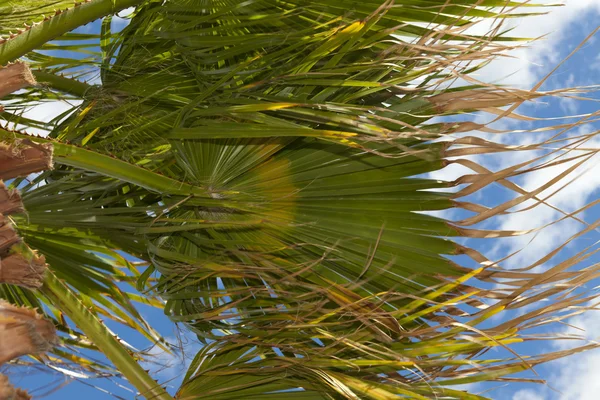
(574, 378)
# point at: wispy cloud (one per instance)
(595, 65)
(569, 195)
(526, 394)
(526, 65)
(576, 378)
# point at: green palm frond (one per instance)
(36, 28)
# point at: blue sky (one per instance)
(571, 379)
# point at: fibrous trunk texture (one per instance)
(23, 157)
(10, 200)
(8, 236)
(19, 265)
(14, 77)
(23, 331)
(23, 267)
(9, 392)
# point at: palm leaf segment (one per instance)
(262, 156)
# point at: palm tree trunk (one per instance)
(15, 77)
(10, 200)
(9, 392)
(23, 267)
(23, 157)
(20, 157)
(23, 331)
(8, 236)
(19, 265)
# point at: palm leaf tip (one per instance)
(23, 331)
(9, 392)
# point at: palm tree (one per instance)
(266, 160)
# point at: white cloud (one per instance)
(525, 67)
(126, 12)
(567, 104)
(595, 65)
(576, 377)
(526, 394)
(528, 64)
(585, 326)
(122, 19)
(46, 111)
(585, 184)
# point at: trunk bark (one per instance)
(23, 267)
(14, 77)
(24, 157)
(8, 236)
(10, 200)
(23, 331)
(9, 392)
